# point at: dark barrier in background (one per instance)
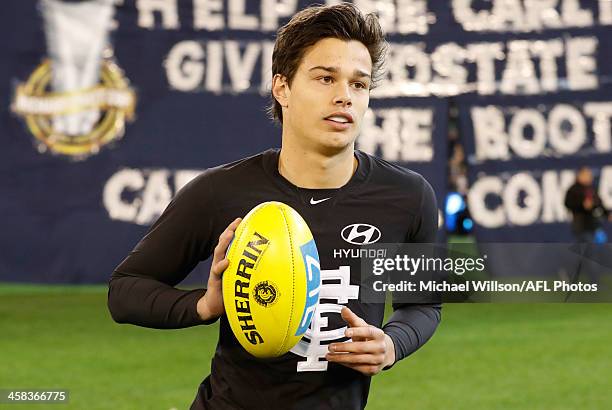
(182, 85)
(75, 204)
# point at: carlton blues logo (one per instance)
(77, 100)
(266, 293)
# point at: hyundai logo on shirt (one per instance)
(360, 234)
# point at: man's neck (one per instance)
(308, 169)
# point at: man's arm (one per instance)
(373, 349)
(411, 325)
(150, 303)
(141, 289)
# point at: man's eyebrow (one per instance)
(320, 67)
(356, 73)
(359, 73)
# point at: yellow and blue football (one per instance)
(271, 286)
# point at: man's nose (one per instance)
(343, 95)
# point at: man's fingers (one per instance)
(355, 359)
(220, 262)
(364, 333)
(224, 240)
(219, 267)
(351, 318)
(371, 346)
(354, 322)
(368, 364)
(366, 352)
(235, 224)
(367, 369)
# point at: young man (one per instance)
(324, 63)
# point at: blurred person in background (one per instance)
(586, 207)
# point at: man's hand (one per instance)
(210, 306)
(370, 351)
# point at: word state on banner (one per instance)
(514, 67)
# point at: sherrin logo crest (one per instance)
(78, 99)
(266, 293)
(360, 234)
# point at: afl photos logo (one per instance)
(266, 293)
(77, 100)
(360, 234)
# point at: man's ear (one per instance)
(280, 89)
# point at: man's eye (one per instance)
(326, 80)
(359, 85)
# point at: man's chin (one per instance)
(336, 142)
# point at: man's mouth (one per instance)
(341, 118)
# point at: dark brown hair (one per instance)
(343, 21)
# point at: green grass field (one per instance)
(547, 356)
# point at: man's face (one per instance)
(328, 96)
(585, 176)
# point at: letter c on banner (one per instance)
(118, 208)
(529, 211)
(489, 218)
